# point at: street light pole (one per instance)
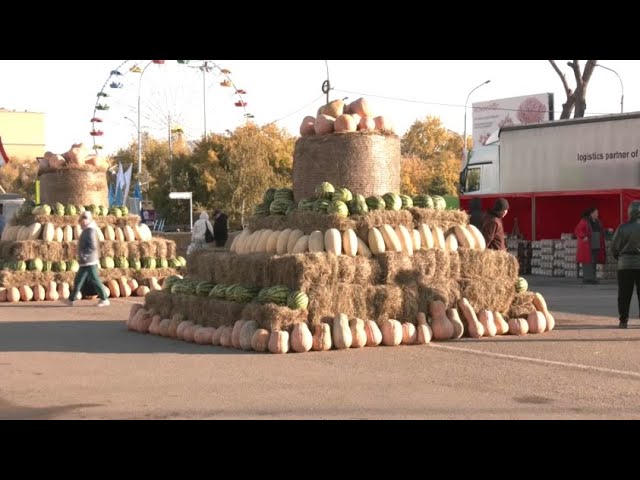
(326, 85)
(464, 152)
(621, 86)
(140, 131)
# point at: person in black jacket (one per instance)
(477, 215)
(626, 250)
(492, 228)
(220, 228)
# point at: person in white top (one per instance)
(198, 234)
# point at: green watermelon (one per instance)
(73, 266)
(20, 266)
(269, 195)
(60, 266)
(342, 194)
(298, 300)
(47, 266)
(36, 265)
(219, 291)
(70, 210)
(149, 263)
(182, 261)
(392, 201)
(115, 211)
(261, 210)
(439, 203)
(121, 262)
(124, 211)
(162, 263)
(305, 205)
(423, 201)
(45, 209)
(324, 190)
(358, 206)
(135, 263)
(170, 281)
(338, 207)
(376, 202)
(321, 205)
(407, 202)
(283, 194)
(204, 288)
(107, 263)
(59, 209)
(174, 263)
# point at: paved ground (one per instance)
(58, 362)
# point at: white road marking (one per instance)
(540, 360)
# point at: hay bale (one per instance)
(432, 263)
(431, 289)
(161, 247)
(454, 264)
(72, 220)
(444, 219)
(272, 317)
(107, 248)
(23, 250)
(148, 249)
(78, 186)
(488, 264)
(365, 162)
(522, 305)
(495, 294)
(69, 250)
(206, 311)
(171, 249)
(327, 299)
(396, 268)
(161, 302)
(121, 249)
(385, 302)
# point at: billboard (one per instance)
(488, 116)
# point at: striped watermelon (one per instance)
(338, 207)
(392, 201)
(521, 285)
(439, 203)
(298, 300)
(407, 202)
(376, 202)
(204, 288)
(325, 190)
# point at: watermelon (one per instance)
(103, 211)
(338, 207)
(283, 194)
(392, 201)
(47, 266)
(423, 201)
(298, 300)
(321, 205)
(204, 288)
(121, 262)
(149, 263)
(162, 263)
(45, 209)
(60, 266)
(169, 282)
(269, 195)
(306, 204)
(439, 203)
(73, 266)
(135, 263)
(70, 210)
(182, 260)
(59, 209)
(124, 211)
(115, 211)
(358, 206)
(342, 194)
(407, 201)
(324, 190)
(36, 265)
(20, 266)
(261, 210)
(376, 202)
(219, 291)
(521, 285)
(107, 262)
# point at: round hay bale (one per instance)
(365, 163)
(75, 186)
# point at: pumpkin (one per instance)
(114, 288)
(465, 239)
(163, 326)
(451, 243)
(38, 293)
(133, 310)
(3, 294)
(334, 109)
(246, 334)
(144, 322)
(181, 328)
(176, 320)
(383, 123)
(292, 240)
(225, 337)
(518, 326)
(345, 123)
(424, 334)
(154, 327)
(342, 337)
(189, 332)
(361, 107)
(440, 324)
(217, 336)
(63, 290)
(391, 240)
(154, 284)
(324, 124)
(501, 325)
(307, 127)
(537, 322)
(485, 317)
(321, 337)
(474, 328)
(417, 241)
(363, 249)
(133, 285)
(125, 289)
(540, 305)
(202, 335)
(13, 295)
(26, 294)
(283, 240)
(142, 290)
(279, 341)
(409, 333)
(367, 124)
(235, 333)
(260, 340)
(51, 293)
(301, 338)
(391, 332)
(374, 335)
(454, 318)
(316, 241)
(479, 242)
(358, 333)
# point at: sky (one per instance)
(281, 91)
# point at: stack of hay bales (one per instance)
(38, 250)
(303, 248)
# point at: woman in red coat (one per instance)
(591, 248)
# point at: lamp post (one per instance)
(139, 131)
(621, 86)
(464, 151)
(326, 85)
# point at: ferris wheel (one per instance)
(164, 98)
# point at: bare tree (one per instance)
(577, 97)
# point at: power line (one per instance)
(301, 108)
(423, 102)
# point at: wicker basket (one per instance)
(74, 186)
(365, 163)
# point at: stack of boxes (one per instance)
(521, 249)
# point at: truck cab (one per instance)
(481, 174)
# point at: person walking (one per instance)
(88, 259)
(625, 248)
(220, 228)
(492, 227)
(591, 246)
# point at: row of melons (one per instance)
(445, 324)
(384, 238)
(52, 291)
(50, 233)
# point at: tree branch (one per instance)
(588, 70)
(562, 76)
(576, 72)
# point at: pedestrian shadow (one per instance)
(95, 337)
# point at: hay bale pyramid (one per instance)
(38, 250)
(333, 268)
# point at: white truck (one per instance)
(552, 171)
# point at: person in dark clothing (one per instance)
(220, 228)
(626, 250)
(477, 215)
(591, 246)
(492, 228)
(88, 258)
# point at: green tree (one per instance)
(19, 176)
(440, 151)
